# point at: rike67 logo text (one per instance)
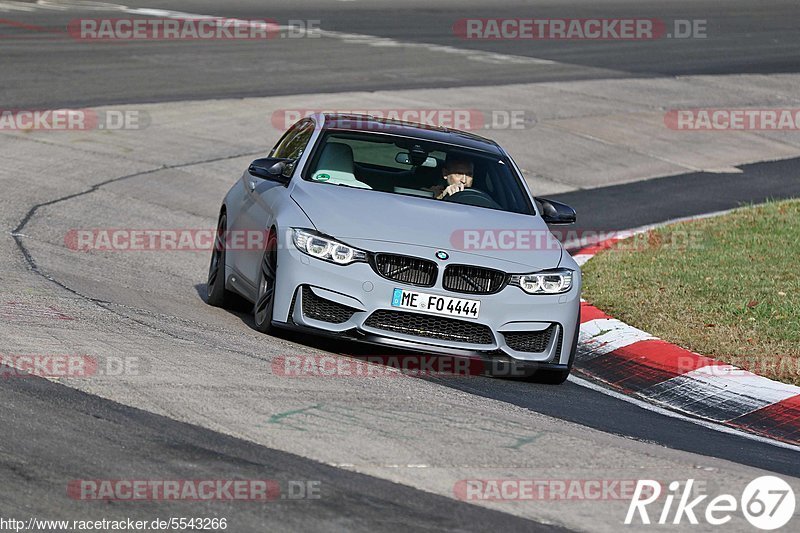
(767, 502)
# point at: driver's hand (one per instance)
(451, 189)
(437, 190)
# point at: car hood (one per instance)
(374, 220)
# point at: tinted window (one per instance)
(293, 143)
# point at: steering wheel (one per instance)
(474, 197)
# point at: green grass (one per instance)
(727, 287)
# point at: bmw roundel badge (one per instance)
(441, 254)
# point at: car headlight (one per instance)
(325, 248)
(545, 282)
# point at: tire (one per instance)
(218, 295)
(557, 377)
(267, 282)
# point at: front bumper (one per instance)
(360, 288)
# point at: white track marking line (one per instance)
(474, 55)
(672, 414)
(84, 5)
(17, 6)
(369, 40)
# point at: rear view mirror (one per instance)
(405, 159)
(555, 212)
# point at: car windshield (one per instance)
(418, 167)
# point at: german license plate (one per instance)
(441, 305)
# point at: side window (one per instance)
(294, 142)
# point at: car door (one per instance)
(256, 214)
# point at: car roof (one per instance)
(371, 124)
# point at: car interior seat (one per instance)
(336, 166)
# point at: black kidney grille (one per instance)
(473, 280)
(432, 327)
(323, 309)
(530, 341)
(411, 270)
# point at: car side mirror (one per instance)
(270, 168)
(555, 212)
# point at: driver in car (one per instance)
(458, 173)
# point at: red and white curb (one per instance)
(638, 364)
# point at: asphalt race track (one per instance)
(743, 37)
(386, 452)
